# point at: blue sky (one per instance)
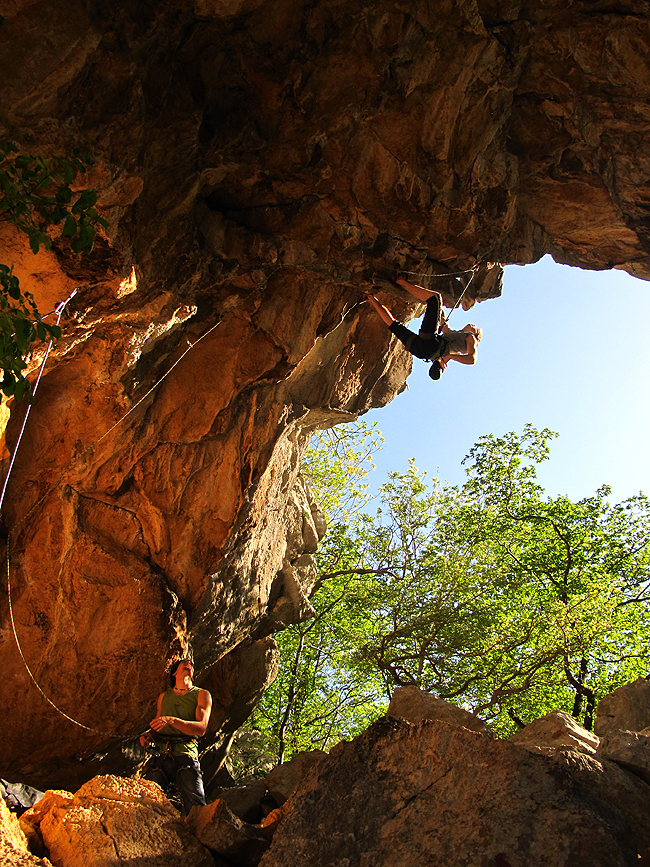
(562, 348)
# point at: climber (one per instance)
(182, 715)
(435, 341)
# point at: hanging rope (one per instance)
(29, 671)
(471, 270)
(156, 384)
(461, 295)
(59, 310)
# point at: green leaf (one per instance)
(69, 227)
(64, 195)
(68, 171)
(35, 241)
(84, 243)
(87, 198)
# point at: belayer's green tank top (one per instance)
(183, 707)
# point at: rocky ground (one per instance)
(426, 784)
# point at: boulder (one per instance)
(246, 801)
(556, 729)
(285, 778)
(30, 820)
(13, 845)
(431, 793)
(630, 750)
(414, 705)
(270, 823)
(625, 709)
(112, 821)
(220, 830)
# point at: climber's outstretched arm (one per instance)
(384, 312)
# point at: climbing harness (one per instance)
(59, 311)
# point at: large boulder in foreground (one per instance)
(556, 729)
(13, 844)
(285, 778)
(218, 828)
(630, 750)
(414, 705)
(625, 709)
(416, 795)
(113, 821)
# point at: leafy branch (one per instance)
(35, 194)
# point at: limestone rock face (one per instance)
(628, 749)
(259, 163)
(113, 821)
(414, 705)
(556, 729)
(224, 833)
(437, 794)
(13, 843)
(626, 709)
(285, 778)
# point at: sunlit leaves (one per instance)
(491, 595)
(35, 193)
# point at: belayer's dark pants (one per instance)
(185, 772)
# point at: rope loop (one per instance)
(59, 309)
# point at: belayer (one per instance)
(435, 341)
(182, 716)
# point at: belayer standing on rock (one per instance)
(435, 341)
(182, 716)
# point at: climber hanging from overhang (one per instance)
(435, 342)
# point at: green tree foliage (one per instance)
(504, 600)
(317, 698)
(491, 595)
(35, 194)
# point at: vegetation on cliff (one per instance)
(36, 194)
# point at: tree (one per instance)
(35, 194)
(316, 701)
(492, 595)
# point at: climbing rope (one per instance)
(461, 294)
(471, 270)
(29, 671)
(59, 311)
(190, 346)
